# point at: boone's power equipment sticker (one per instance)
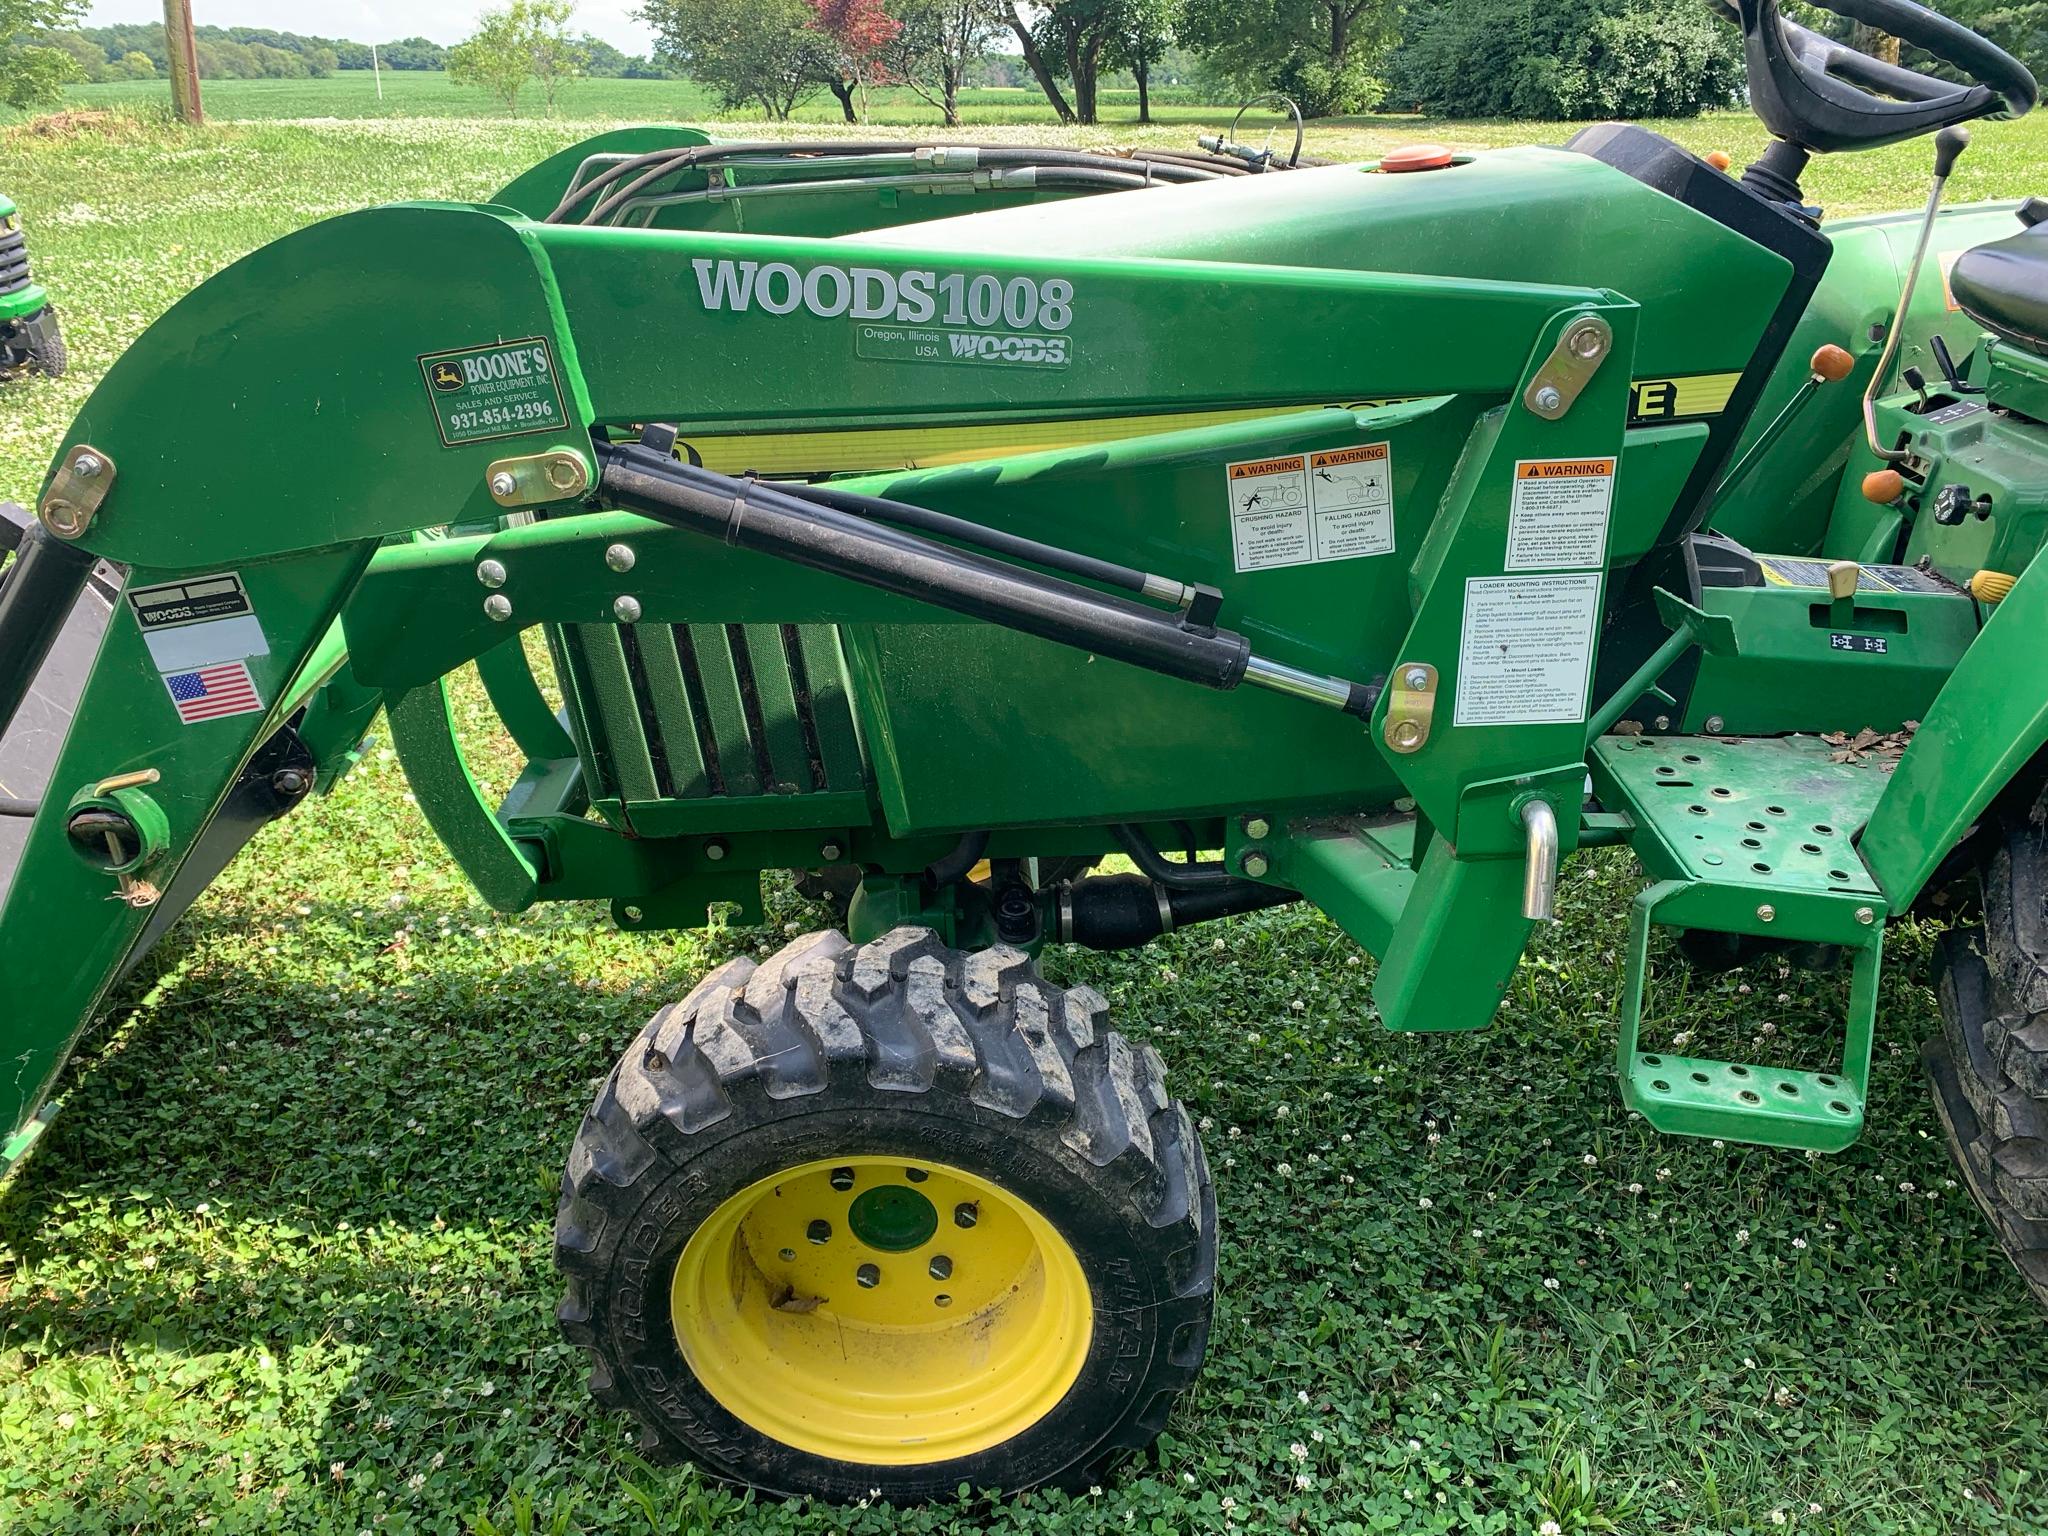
(1557, 516)
(1526, 653)
(197, 622)
(498, 390)
(1296, 509)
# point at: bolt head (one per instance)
(1662, 723)
(288, 781)
(1407, 733)
(1255, 864)
(940, 1268)
(1548, 399)
(966, 1213)
(498, 606)
(1714, 724)
(1584, 341)
(503, 483)
(1257, 826)
(626, 609)
(1767, 913)
(715, 849)
(1416, 678)
(831, 853)
(869, 1276)
(87, 466)
(491, 572)
(620, 557)
(1865, 916)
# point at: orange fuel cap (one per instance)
(1884, 486)
(1831, 364)
(1719, 159)
(1416, 157)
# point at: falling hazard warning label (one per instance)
(1297, 509)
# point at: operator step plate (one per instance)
(1770, 1106)
(1774, 811)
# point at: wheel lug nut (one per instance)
(966, 1213)
(842, 1178)
(868, 1276)
(915, 1175)
(819, 1231)
(940, 1268)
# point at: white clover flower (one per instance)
(1589, 1159)
(1635, 1189)
(1777, 1517)
(1550, 1528)
(1298, 1451)
(1315, 1434)
(1663, 1174)
(1742, 1234)
(1281, 1112)
(1302, 1395)
(417, 1481)
(1425, 1203)
(1550, 1282)
(1303, 1481)
(1798, 1242)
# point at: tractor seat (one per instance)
(2004, 285)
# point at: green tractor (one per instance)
(938, 521)
(30, 341)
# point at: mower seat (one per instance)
(2004, 285)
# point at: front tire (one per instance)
(892, 1218)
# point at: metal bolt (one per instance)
(1407, 733)
(498, 606)
(1714, 724)
(626, 609)
(1865, 916)
(842, 1179)
(831, 852)
(1257, 826)
(715, 849)
(1767, 913)
(869, 1276)
(504, 483)
(87, 466)
(1255, 864)
(620, 557)
(491, 572)
(966, 1214)
(819, 1231)
(1417, 678)
(1662, 723)
(290, 782)
(1584, 340)
(940, 1268)
(1548, 399)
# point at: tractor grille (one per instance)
(668, 712)
(13, 261)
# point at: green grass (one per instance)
(282, 1264)
(423, 93)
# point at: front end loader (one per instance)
(937, 522)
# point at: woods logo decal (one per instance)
(982, 318)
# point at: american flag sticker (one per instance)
(213, 693)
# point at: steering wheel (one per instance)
(1825, 96)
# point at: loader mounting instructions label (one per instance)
(1557, 517)
(501, 389)
(1303, 508)
(1526, 653)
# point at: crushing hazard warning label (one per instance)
(1333, 504)
(1557, 518)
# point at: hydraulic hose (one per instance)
(1125, 911)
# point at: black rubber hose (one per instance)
(954, 866)
(755, 516)
(1180, 877)
(9, 806)
(961, 529)
(1125, 911)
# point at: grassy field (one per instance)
(283, 1262)
(422, 93)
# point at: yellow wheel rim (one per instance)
(872, 1310)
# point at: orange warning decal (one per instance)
(1257, 467)
(1558, 469)
(1365, 453)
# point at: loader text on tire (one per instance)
(891, 1217)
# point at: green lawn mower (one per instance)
(937, 521)
(30, 341)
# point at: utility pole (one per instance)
(184, 60)
(376, 71)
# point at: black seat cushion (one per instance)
(2004, 286)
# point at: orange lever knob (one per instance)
(1884, 486)
(1832, 364)
(1719, 159)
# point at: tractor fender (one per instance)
(1989, 721)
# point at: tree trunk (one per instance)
(1142, 68)
(844, 92)
(952, 94)
(1083, 59)
(1035, 61)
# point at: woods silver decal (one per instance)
(914, 316)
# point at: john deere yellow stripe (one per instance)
(1652, 402)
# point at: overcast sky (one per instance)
(374, 21)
